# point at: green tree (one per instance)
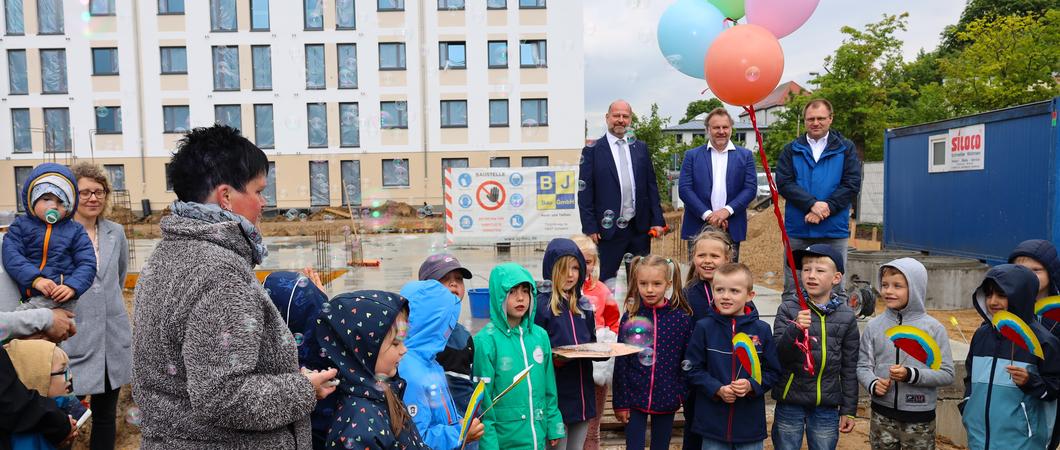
(649, 130)
(698, 107)
(979, 9)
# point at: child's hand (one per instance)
(44, 285)
(318, 379)
(881, 387)
(846, 424)
(313, 277)
(727, 394)
(553, 443)
(900, 373)
(741, 387)
(622, 416)
(62, 293)
(475, 431)
(803, 320)
(1019, 375)
(71, 436)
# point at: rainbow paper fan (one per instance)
(918, 344)
(469, 414)
(1048, 307)
(743, 348)
(1017, 331)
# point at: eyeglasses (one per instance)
(67, 378)
(86, 194)
(816, 119)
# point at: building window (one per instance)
(535, 112)
(350, 171)
(169, 180)
(314, 66)
(101, 7)
(317, 124)
(53, 71)
(17, 76)
(108, 120)
(50, 17)
(270, 186)
(393, 115)
(498, 54)
(390, 5)
(451, 5)
(345, 15)
(349, 125)
(170, 7)
(14, 18)
(259, 15)
(500, 161)
(116, 174)
(454, 163)
(532, 54)
(496, 4)
(261, 62)
(175, 119)
(57, 130)
(392, 56)
(223, 15)
(21, 177)
(313, 15)
(395, 172)
(226, 68)
(535, 161)
(23, 142)
(319, 182)
(452, 55)
(264, 135)
(531, 4)
(228, 115)
(454, 113)
(174, 60)
(104, 61)
(499, 113)
(347, 66)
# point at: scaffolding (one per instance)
(121, 199)
(323, 255)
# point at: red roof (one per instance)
(779, 96)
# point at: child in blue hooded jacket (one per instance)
(569, 319)
(1009, 393)
(433, 312)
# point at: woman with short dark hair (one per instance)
(214, 365)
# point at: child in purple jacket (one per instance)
(652, 382)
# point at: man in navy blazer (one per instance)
(723, 205)
(618, 198)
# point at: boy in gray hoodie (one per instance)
(903, 389)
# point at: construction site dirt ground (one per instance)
(762, 252)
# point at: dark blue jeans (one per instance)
(662, 427)
(819, 424)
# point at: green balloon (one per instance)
(732, 9)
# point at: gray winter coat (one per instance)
(16, 324)
(103, 335)
(878, 354)
(214, 365)
(834, 382)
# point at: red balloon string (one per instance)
(805, 344)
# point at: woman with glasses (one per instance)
(100, 355)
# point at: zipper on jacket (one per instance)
(581, 367)
(654, 356)
(897, 351)
(44, 257)
(986, 409)
(732, 374)
(824, 355)
(530, 388)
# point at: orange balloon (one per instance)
(744, 64)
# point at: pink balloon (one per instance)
(744, 64)
(782, 17)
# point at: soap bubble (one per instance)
(545, 287)
(686, 365)
(171, 369)
(646, 357)
(627, 258)
(303, 282)
(638, 331)
(325, 307)
(132, 416)
(607, 223)
(609, 214)
(302, 217)
(752, 73)
(581, 185)
(622, 222)
(102, 111)
(299, 339)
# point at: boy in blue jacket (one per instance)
(731, 407)
(46, 252)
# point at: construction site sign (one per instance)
(485, 206)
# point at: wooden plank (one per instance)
(344, 213)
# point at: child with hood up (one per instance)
(528, 416)
(1009, 393)
(433, 312)
(44, 367)
(362, 333)
(47, 253)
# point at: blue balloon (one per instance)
(685, 32)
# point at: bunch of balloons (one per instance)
(741, 63)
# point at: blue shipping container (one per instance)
(978, 213)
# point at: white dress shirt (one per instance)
(719, 164)
(613, 141)
(817, 146)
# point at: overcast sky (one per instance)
(622, 57)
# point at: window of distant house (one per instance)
(390, 5)
(392, 56)
(452, 55)
(101, 7)
(226, 68)
(104, 61)
(223, 15)
(454, 113)
(108, 120)
(533, 54)
(174, 60)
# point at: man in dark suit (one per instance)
(618, 197)
(722, 204)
